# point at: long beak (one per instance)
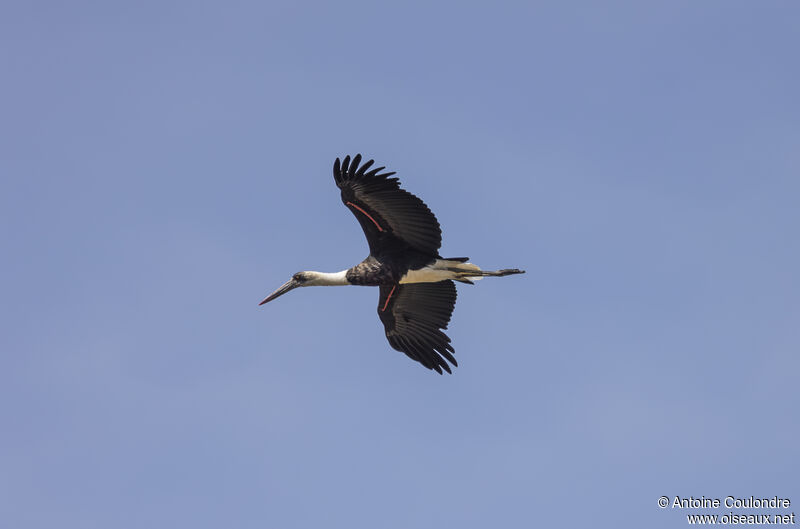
(286, 287)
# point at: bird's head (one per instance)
(300, 279)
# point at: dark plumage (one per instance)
(391, 217)
(413, 318)
(402, 233)
(417, 293)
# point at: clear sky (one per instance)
(165, 165)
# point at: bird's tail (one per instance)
(468, 272)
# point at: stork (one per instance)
(417, 293)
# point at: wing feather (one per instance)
(384, 209)
(414, 318)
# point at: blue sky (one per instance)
(167, 164)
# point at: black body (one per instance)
(403, 234)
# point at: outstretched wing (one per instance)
(413, 315)
(383, 209)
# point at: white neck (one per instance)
(326, 279)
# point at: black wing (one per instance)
(382, 208)
(413, 315)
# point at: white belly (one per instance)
(426, 275)
(441, 270)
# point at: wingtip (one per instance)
(366, 165)
(354, 166)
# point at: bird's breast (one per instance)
(371, 273)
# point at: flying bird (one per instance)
(417, 293)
